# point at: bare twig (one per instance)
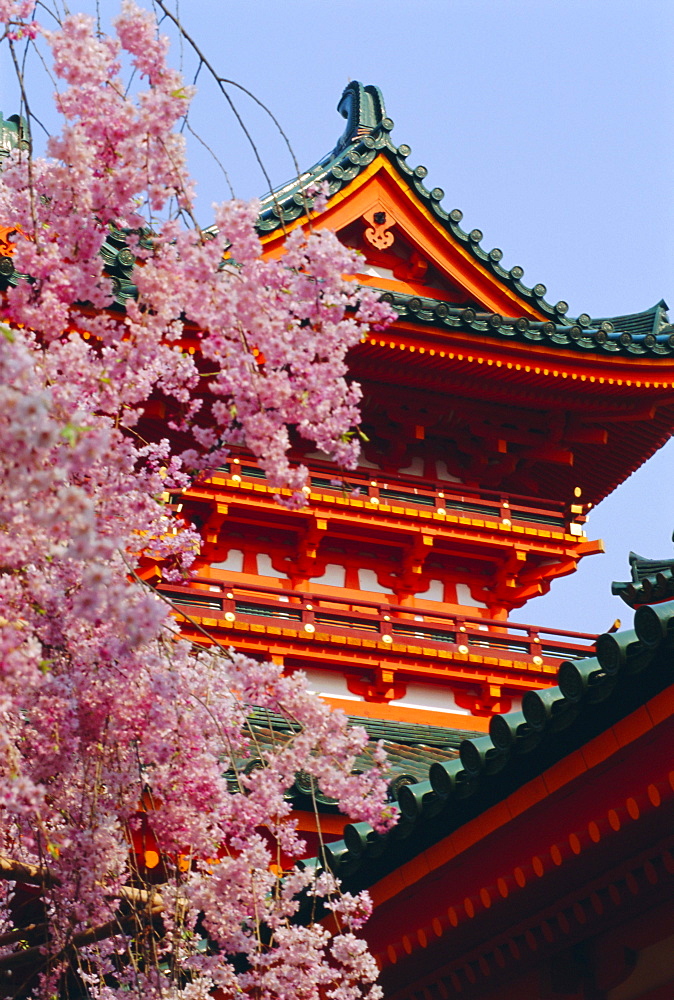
(152, 903)
(222, 83)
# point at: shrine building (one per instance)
(533, 769)
(492, 422)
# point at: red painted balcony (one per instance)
(398, 493)
(401, 638)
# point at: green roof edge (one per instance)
(366, 136)
(611, 336)
(629, 668)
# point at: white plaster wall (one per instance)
(415, 468)
(435, 697)
(233, 562)
(464, 596)
(378, 272)
(367, 580)
(265, 568)
(330, 683)
(434, 592)
(442, 473)
(334, 575)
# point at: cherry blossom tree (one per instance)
(114, 730)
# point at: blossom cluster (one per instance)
(114, 731)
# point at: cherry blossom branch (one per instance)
(100, 708)
(35, 957)
(222, 83)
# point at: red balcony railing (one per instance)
(434, 496)
(382, 621)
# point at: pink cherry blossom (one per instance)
(117, 737)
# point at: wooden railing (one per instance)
(382, 621)
(434, 496)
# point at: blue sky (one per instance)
(548, 123)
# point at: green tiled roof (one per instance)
(642, 334)
(629, 668)
(367, 135)
(411, 749)
(651, 322)
(652, 581)
(120, 263)
(13, 133)
(410, 733)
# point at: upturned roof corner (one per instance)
(366, 138)
(364, 110)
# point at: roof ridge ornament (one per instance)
(366, 137)
(13, 133)
(364, 110)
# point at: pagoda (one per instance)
(492, 423)
(532, 769)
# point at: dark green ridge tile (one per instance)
(652, 581)
(590, 337)
(365, 135)
(588, 716)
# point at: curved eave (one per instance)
(290, 206)
(652, 590)
(636, 336)
(652, 582)
(553, 374)
(614, 418)
(554, 729)
(653, 321)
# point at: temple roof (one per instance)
(592, 694)
(652, 581)
(410, 749)
(644, 333)
(366, 137)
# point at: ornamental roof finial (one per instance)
(13, 132)
(363, 108)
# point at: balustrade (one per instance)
(433, 496)
(385, 622)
